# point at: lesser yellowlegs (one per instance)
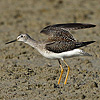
(60, 44)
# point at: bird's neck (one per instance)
(32, 42)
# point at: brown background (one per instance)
(25, 74)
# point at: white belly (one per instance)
(72, 53)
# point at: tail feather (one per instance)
(81, 44)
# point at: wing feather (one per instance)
(61, 35)
(60, 39)
(60, 46)
(69, 26)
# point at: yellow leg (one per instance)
(61, 72)
(67, 72)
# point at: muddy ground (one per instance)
(25, 74)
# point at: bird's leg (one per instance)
(61, 71)
(67, 72)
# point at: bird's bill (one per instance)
(11, 41)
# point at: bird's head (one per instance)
(21, 37)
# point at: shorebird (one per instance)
(60, 43)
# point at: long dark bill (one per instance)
(11, 41)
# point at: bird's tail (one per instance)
(81, 44)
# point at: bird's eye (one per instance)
(21, 36)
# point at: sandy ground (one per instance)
(25, 74)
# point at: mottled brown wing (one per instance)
(61, 35)
(49, 30)
(60, 46)
(60, 39)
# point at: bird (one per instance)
(59, 44)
